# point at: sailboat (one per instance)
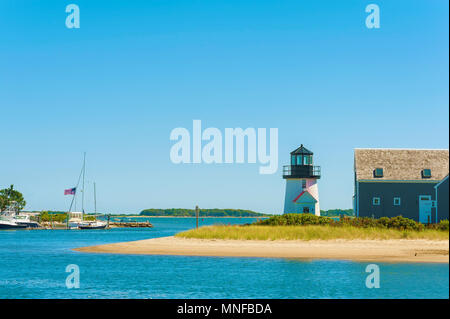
(76, 219)
(95, 224)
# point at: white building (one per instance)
(302, 193)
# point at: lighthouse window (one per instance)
(307, 159)
(293, 160)
(376, 201)
(299, 159)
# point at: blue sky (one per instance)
(135, 70)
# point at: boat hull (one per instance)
(6, 226)
(29, 224)
(92, 227)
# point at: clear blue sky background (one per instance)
(135, 70)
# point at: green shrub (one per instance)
(401, 223)
(295, 219)
(398, 222)
(384, 222)
(362, 222)
(443, 225)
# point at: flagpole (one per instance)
(76, 188)
(70, 208)
(75, 194)
(68, 213)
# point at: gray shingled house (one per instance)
(441, 197)
(407, 182)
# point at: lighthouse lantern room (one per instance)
(302, 193)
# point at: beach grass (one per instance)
(308, 232)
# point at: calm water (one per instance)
(32, 265)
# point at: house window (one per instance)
(378, 172)
(376, 201)
(397, 201)
(426, 173)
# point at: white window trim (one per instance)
(399, 201)
(374, 199)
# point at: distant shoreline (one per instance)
(124, 216)
(399, 250)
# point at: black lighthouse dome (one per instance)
(301, 156)
(301, 165)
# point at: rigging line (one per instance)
(76, 188)
(84, 172)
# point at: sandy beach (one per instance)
(361, 250)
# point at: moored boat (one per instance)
(76, 220)
(92, 225)
(6, 223)
(10, 218)
(24, 220)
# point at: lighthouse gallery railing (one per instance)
(301, 171)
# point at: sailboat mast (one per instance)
(82, 194)
(95, 200)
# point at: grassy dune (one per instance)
(309, 232)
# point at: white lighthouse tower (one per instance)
(302, 193)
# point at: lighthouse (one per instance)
(302, 193)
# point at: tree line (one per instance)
(203, 212)
(217, 212)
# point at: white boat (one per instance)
(10, 218)
(9, 223)
(25, 220)
(95, 224)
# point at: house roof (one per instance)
(306, 195)
(441, 182)
(301, 151)
(401, 164)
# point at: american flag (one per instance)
(70, 191)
